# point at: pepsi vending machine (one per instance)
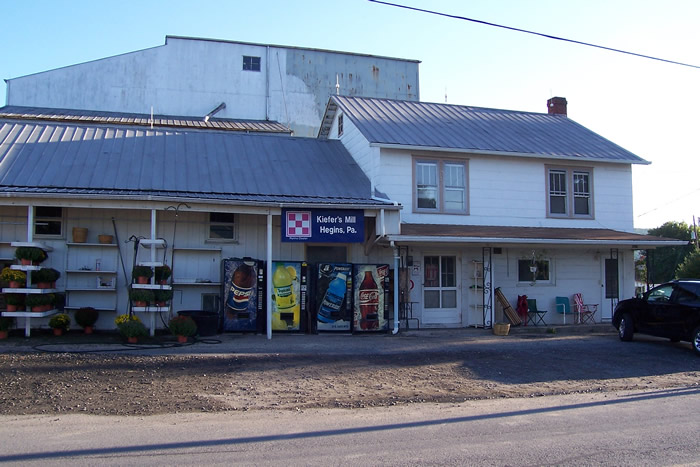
(371, 285)
(288, 295)
(333, 299)
(244, 292)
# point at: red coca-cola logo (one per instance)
(369, 297)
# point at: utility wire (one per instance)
(548, 36)
(668, 202)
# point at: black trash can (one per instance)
(207, 321)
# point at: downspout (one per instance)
(397, 262)
(267, 84)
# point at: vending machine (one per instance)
(370, 304)
(333, 297)
(244, 292)
(289, 282)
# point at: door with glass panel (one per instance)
(440, 291)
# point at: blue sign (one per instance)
(323, 225)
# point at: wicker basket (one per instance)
(501, 329)
(80, 234)
(106, 239)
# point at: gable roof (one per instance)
(134, 119)
(457, 128)
(116, 161)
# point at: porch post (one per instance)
(268, 274)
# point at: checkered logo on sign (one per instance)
(299, 224)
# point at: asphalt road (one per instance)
(631, 428)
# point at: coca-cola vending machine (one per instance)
(288, 295)
(370, 308)
(244, 292)
(333, 297)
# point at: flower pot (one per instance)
(106, 239)
(88, 329)
(3, 334)
(80, 234)
(161, 304)
(57, 331)
(182, 339)
(15, 284)
(11, 307)
(132, 340)
(139, 303)
(43, 285)
(25, 262)
(142, 280)
(38, 308)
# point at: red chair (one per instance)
(586, 313)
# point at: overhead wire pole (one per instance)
(548, 36)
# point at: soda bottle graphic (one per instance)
(282, 284)
(369, 303)
(242, 286)
(329, 311)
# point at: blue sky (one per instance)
(648, 107)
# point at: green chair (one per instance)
(534, 315)
(563, 306)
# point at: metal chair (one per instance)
(563, 306)
(534, 315)
(586, 313)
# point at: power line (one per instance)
(668, 202)
(548, 36)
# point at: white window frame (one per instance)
(213, 223)
(550, 267)
(41, 219)
(569, 192)
(442, 184)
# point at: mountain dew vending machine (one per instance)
(244, 292)
(371, 285)
(288, 295)
(333, 297)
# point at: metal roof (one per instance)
(527, 235)
(82, 159)
(122, 118)
(431, 126)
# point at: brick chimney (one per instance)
(556, 106)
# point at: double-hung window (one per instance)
(569, 192)
(440, 186)
(48, 221)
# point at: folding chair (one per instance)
(586, 313)
(534, 315)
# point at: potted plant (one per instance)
(86, 318)
(40, 302)
(6, 323)
(29, 255)
(132, 329)
(142, 274)
(14, 301)
(163, 274)
(141, 297)
(161, 297)
(182, 327)
(59, 323)
(15, 277)
(45, 278)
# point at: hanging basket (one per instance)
(80, 234)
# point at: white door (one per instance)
(440, 291)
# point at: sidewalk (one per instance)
(429, 340)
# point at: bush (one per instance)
(121, 319)
(8, 275)
(86, 316)
(182, 326)
(690, 267)
(163, 295)
(45, 275)
(141, 295)
(14, 299)
(163, 273)
(40, 299)
(60, 321)
(142, 271)
(132, 328)
(32, 253)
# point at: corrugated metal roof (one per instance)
(474, 129)
(122, 118)
(91, 159)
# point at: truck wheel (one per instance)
(626, 328)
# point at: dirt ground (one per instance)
(117, 384)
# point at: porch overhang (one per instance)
(510, 235)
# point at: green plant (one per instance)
(14, 299)
(182, 326)
(86, 316)
(141, 295)
(142, 271)
(45, 275)
(31, 253)
(162, 295)
(8, 275)
(121, 319)
(163, 273)
(132, 328)
(40, 299)
(6, 323)
(60, 321)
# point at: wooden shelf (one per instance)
(31, 244)
(96, 308)
(30, 314)
(150, 309)
(151, 286)
(106, 245)
(29, 291)
(88, 289)
(89, 271)
(196, 284)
